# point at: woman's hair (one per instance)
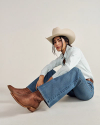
(66, 40)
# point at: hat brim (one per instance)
(68, 33)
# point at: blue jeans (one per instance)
(72, 83)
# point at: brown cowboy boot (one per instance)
(30, 101)
(19, 91)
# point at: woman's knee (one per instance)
(85, 98)
(76, 69)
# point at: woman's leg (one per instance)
(53, 90)
(32, 85)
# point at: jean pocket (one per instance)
(90, 83)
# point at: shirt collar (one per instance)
(65, 54)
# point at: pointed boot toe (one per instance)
(18, 90)
(10, 88)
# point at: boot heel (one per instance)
(32, 109)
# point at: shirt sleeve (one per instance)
(50, 66)
(72, 61)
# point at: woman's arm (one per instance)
(71, 62)
(42, 78)
(41, 81)
(50, 66)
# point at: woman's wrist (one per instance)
(41, 77)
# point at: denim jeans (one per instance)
(72, 83)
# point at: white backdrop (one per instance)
(24, 24)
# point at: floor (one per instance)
(67, 111)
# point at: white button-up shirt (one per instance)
(73, 58)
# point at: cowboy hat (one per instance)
(65, 32)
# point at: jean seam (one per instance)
(89, 82)
(66, 87)
(83, 82)
(44, 97)
(63, 90)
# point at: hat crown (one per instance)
(56, 30)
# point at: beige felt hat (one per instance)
(65, 32)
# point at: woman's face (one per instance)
(58, 43)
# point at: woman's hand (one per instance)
(39, 83)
